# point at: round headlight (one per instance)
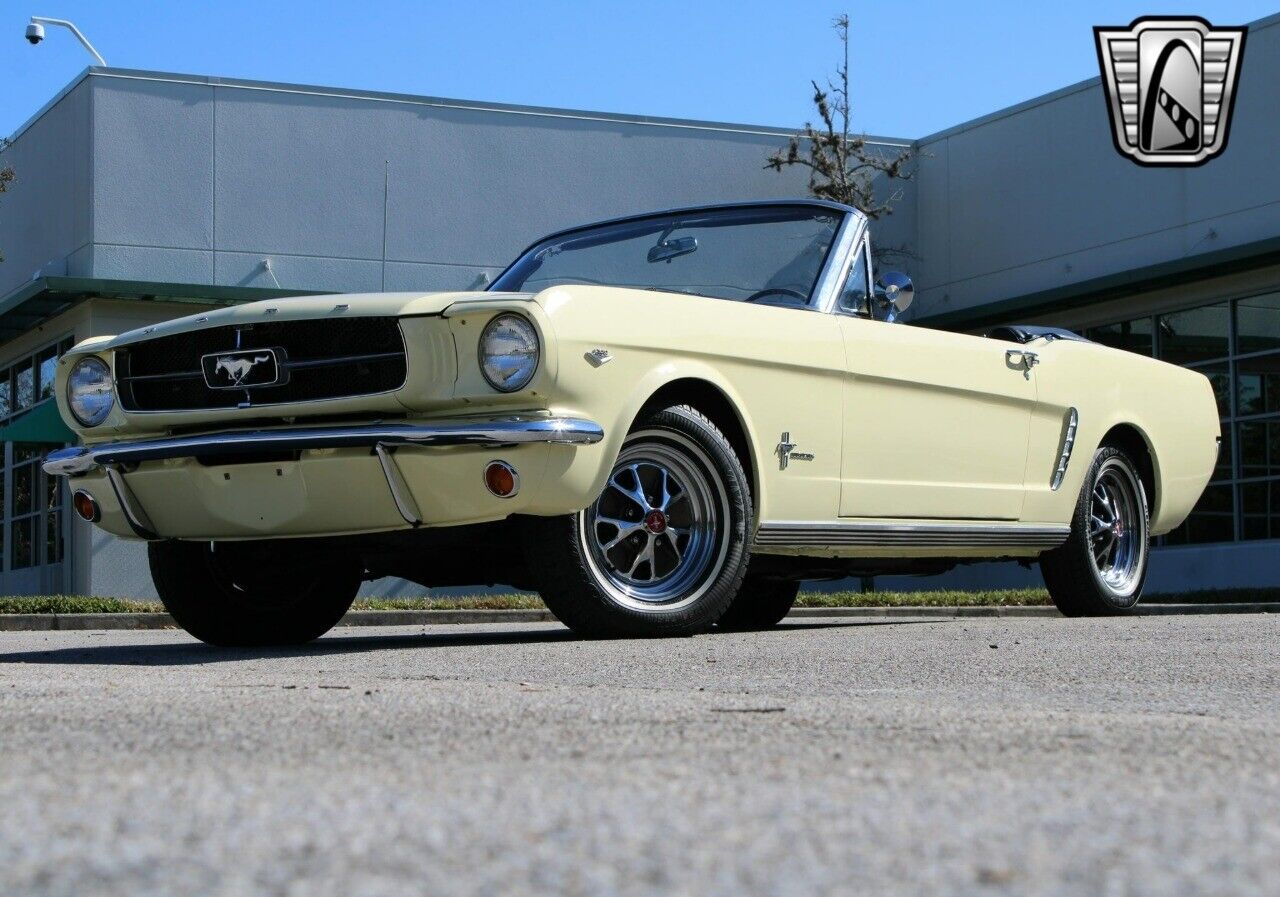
(89, 393)
(508, 352)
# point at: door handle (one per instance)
(1022, 357)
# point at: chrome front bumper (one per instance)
(502, 431)
(116, 459)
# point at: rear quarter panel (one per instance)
(1171, 407)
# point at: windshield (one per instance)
(766, 254)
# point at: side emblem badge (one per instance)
(599, 357)
(787, 453)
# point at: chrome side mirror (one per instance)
(894, 293)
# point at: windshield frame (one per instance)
(830, 275)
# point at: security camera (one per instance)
(35, 34)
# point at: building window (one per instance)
(1197, 334)
(24, 385)
(1258, 323)
(1260, 506)
(1213, 519)
(1133, 336)
(32, 503)
(1258, 384)
(1237, 346)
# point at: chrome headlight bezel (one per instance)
(100, 387)
(517, 327)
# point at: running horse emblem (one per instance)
(238, 368)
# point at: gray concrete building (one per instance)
(144, 195)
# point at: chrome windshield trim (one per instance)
(664, 213)
(829, 277)
(826, 290)
(500, 431)
(863, 245)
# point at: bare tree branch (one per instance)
(6, 177)
(892, 255)
(842, 167)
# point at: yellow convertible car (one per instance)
(661, 423)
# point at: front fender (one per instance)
(780, 370)
(614, 399)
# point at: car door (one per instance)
(935, 424)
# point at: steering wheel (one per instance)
(776, 291)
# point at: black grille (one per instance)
(322, 359)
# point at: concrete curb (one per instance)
(1017, 610)
(442, 617)
(47, 622)
(1023, 610)
(70, 622)
(1167, 610)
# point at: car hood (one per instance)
(296, 308)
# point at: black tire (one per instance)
(240, 594)
(761, 604)
(1079, 583)
(690, 584)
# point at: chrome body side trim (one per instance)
(494, 432)
(819, 534)
(1064, 454)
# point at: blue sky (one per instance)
(918, 67)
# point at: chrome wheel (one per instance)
(657, 535)
(1118, 529)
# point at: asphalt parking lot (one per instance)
(1002, 756)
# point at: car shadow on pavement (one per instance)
(187, 652)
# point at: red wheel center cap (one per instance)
(655, 522)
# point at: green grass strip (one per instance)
(80, 604)
(75, 604)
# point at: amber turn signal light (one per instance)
(86, 506)
(501, 479)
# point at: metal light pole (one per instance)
(35, 34)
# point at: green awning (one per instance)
(42, 423)
(39, 300)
